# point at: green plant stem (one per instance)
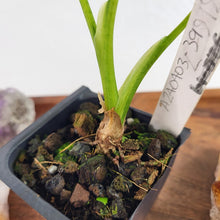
(102, 36)
(89, 17)
(103, 42)
(141, 68)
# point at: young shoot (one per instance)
(102, 37)
(117, 102)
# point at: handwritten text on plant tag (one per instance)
(194, 64)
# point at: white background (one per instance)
(45, 46)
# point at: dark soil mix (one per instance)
(65, 169)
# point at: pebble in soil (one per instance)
(154, 149)
(94, 170)
(55, 185)
(97, 189)
(80, 196)
(83, 123)
(52, 142)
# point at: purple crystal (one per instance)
(16, 113)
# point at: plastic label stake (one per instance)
(194, 64)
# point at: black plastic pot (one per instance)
(56, 118)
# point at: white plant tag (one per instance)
(194, 64)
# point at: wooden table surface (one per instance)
(186, 193)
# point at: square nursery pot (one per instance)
(49, 122)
